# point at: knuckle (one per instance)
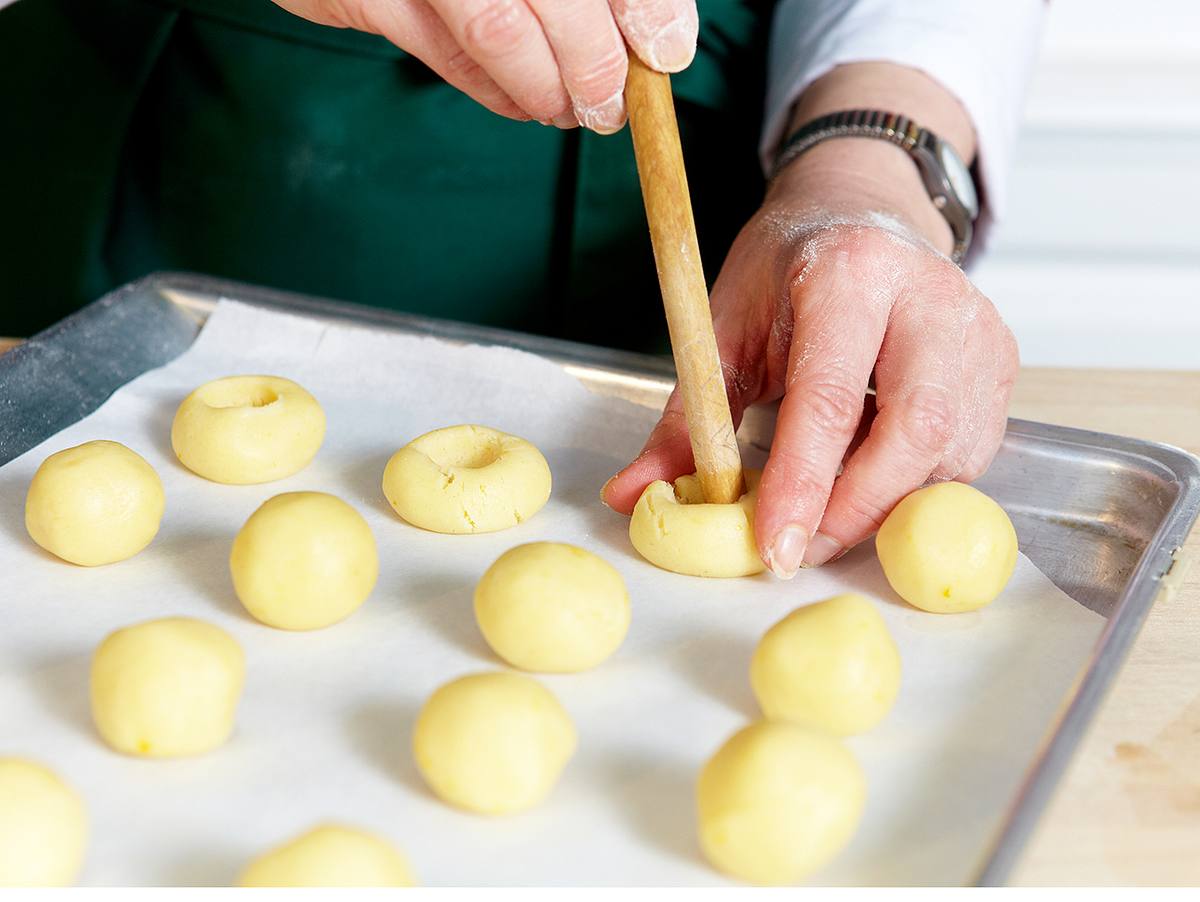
(602, 78)
(493, 27)
(1011, 354)
(929, 419)
(864, 510)
(341, 14)
(463, 67)
(832, 406)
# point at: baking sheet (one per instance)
(325, 724)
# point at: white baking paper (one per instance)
(325, 725)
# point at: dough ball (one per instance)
(43, 826)
(552, 607)
(94, 504)
(304, 560)
(672, 527)
(777, 801)
(330, 855)
(167, 688)
(465, 479)
(247, 429)
(947, 548)
(830, 665)
(493, 743)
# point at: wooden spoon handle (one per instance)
(681, 277)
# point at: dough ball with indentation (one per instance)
(304, 560)
(831, 665)
(778, 801)
(330, 855)
(167, 688)
(552, 607)
(674, 528)
(493, 743)
(43, 826)
(466, 479)
(94, 504)
(247, 429)
(947, 548)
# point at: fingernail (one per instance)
(673, 48)
(565, 119)
(787, 552)
(605, 118)
(604, 490)
(821, 549)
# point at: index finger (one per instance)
(831, 359)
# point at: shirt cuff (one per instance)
(983, 53)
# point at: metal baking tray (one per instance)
(1103, 516)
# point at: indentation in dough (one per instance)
(223, 394)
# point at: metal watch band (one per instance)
(918, 142)
(900, 130)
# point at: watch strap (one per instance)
(899, 130)
(891, 127)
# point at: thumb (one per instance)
(661, 32)
(667, 455)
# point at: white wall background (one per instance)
(1097, 262)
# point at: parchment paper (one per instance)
(325, 725)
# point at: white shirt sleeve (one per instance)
(982, 51)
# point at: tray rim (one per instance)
(1062, 734)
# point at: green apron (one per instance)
(228, 137)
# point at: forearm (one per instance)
(856, 175)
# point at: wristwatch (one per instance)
(946, 176)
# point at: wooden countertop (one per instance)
(1128, 810)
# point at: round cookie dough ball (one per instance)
(493, 743)
(947, 548)
(672, 527)
(167, 688)
(94, 504)
(43, 826)
(247, 429)
(552, 607)
(330, 855)
(304, 560)
(465, 479)
(830, 665)
(777, 801)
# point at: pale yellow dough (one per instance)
(552, 607)
(673, 528)
(247, 429)
(304, 560)
(465, 479)
(831, 665)
(94, 504)
(330, 855)
(43, 826)
(777, 802)
(167, 688)
(947, 548)
(493, 743)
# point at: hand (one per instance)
(832, 280)
(562, 62)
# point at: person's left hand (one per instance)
(833, 280)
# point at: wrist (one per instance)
(868, 173)
(853, 177)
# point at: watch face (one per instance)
(960, 177)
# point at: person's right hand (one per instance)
(561, 62)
